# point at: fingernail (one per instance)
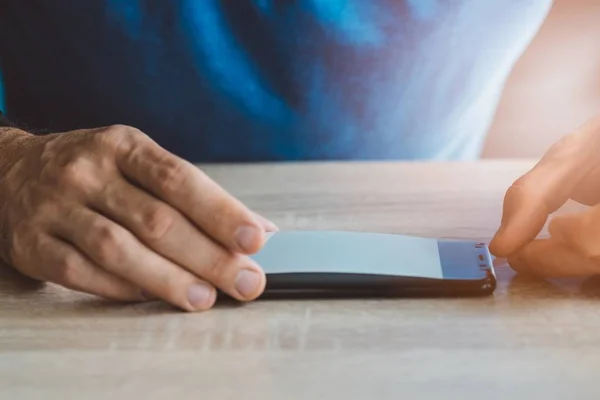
(248, 238)
(270, 226)
(247, 283)
(201, 297)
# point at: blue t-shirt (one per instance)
(262, 80)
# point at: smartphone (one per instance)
(363, 264)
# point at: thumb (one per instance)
(540, 192)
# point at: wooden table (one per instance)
(532, 339)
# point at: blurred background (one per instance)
(555, 86)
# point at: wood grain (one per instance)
(531, 339)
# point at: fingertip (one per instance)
(509, 240)
(519, 227)
(250, 280)
(249, 239)
(250, 283)
(504, 241)
(498, 246)
(201, 297)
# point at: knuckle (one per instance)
(125, 131)
(67, 270)
(110, 136)
(74, 172)
(68, 174)
(517, 191)
(121, 128)
(107, 239)
(529, 187)
(65, 169)
(114, 136)
(566, 145)
(157, 221)
(520, 186)
(170, 174)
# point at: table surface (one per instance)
(531, 339)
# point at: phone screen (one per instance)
(372, 254)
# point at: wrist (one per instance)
(13, 141)
(11, 136)
(11, 132)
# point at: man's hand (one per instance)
(109, 212)
(570, 170)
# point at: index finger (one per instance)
(544, 189)
(187, 188)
